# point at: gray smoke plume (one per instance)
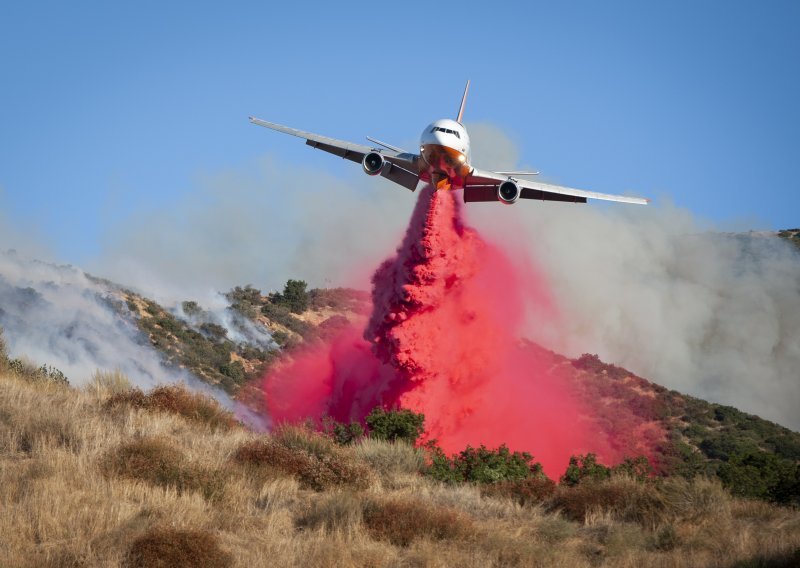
(657, 291)
(59, 316)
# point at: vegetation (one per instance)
(174, 399)
(750, 456)
(27, 370)
(206, 352)
(87, 482)
(482, 465)
(393, 425)
(295, 297)
(791, 235)
(167, 547)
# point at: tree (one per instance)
(294, 296)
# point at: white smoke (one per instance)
(261, 227)
(216, 309)
(657, 291)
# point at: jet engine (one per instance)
(508, 192)
(373, 163)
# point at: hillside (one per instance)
(232, 346)
(103, 476)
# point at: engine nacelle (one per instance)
(508, 192)
(373, 163)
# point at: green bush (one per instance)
(482, 465)
(582, 467)
(343, 434)
(234, 370)
(399, 424)
(191, 308)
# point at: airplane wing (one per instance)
(481, 185)
(403, 166)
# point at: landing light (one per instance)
(461, 158)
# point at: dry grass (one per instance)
(314, 471)
(143, 485)
(173, 399)
(109, 383)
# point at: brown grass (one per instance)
(82, 486)
(174, 399)
(167, 547)
(157, 462)
(319, 472)
(620, 498)
(401, 521)
(525, 491)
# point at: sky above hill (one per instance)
(113, 112)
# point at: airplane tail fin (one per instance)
(463, 103)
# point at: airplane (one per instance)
(444, 162)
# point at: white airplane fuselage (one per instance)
(444, 149)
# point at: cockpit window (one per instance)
(446, 130)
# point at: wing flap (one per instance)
(401, 176)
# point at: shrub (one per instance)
(697, 499)
(176, 399)
(395, 425)
(245, 301)
(282, 315)
(304, 438)
(482, 465)
(191, 308)
(623, 498)
(527, 491)
(342, 434)
(637, 468)
(315, 472)
(234, 370)
(168, 547)
(584, 467)
(340, 511)
(26, 370)
(401, 521)
(157, 462)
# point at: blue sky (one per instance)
(108, 110)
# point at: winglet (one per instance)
(463, 102)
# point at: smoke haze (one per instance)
(56, 315)
(650, 288)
